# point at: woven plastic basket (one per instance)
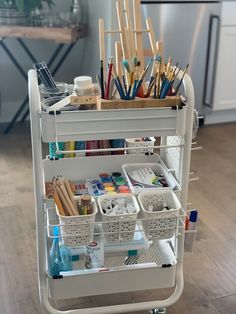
(77, 230)
(132, 142)
(118, 228)
(137, 187)
(159, 224)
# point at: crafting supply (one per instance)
(53, 149)
(66, 258)
(55, 263)
(102, 51)
(95, 254)
(67, 198)
(58, 202)
(45, 74)
(193, 217)
(83, 85)
(64, 202)
(109, 78)
(104, 144)
(151, 35)
(102, 79)
(143, 76)
(159, 59)
(69, 146)
(70, 193)
(91, 145)
(138, 35)
(117, 143)
(86, 204)
(80, 145)
(178, 86)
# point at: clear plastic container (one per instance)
(61, 90)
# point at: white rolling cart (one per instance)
(159, 263)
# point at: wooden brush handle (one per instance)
(64, 201)
(58, 202)
(64, 191)
(71, 195)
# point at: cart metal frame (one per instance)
(181, 164)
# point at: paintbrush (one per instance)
(143, 76)
(178, 86)
(102, 80)
(118, 84)
(109, 78)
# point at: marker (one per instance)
(193, 220)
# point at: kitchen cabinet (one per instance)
(224, 95)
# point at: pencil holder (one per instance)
(190, 236)
(118, 228)
(77, 230)
(133, 142)
(169, 101)
(159, 222)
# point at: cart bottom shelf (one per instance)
(152, 270)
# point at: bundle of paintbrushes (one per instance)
(132, 84)
(67, 205)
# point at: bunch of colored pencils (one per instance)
(132, 84)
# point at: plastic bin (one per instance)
(118, 228)
(138, 186)
(77, 230)
(132, 142)
(159, 224)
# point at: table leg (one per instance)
(24, 75)
(13, 59)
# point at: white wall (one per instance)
(83, 59)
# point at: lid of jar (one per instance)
(83, 81)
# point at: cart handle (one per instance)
(121, 308)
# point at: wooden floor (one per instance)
(210, 272)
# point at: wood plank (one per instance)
(20, 251)
(62, 35)
(138, 103)
(193, 300)
(8, 303)
(226, 305)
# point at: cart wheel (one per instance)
(158, 311)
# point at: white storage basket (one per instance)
(132, 142)
(159, 224)
(118, 228)
(157, 168)
(77, 230)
